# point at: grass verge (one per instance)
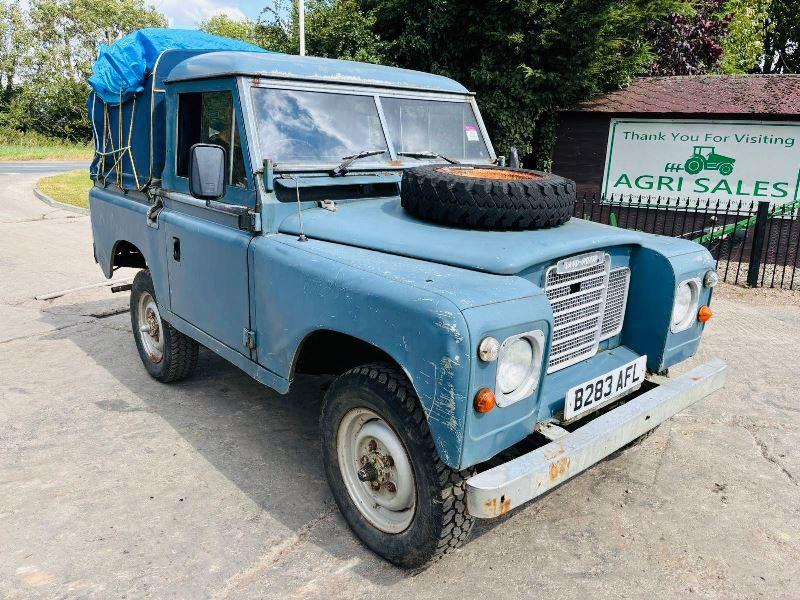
(17, 145)
(71, 187)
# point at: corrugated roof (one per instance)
(709, 94)
(289, 66)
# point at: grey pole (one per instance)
(302, 17)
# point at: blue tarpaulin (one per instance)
(122, 68)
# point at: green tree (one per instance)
(743, 47)
(334, 29)
(14, 40)
(274, 34)
(781, 52)
(525, 60)
(55, 49)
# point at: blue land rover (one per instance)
(305, 215)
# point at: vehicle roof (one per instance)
(311, 68)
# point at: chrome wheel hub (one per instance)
(376, 470)
(151, 329)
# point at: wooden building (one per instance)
(582, 133)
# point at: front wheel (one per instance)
(167, 354)
(384, 471)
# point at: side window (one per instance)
(209, 118)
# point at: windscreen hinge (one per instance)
(250, 221)
(250, 339)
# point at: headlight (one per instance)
(518, 367)
(515, 365)
(687, 298)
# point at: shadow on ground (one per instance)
(265, 443)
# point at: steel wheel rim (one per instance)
(389, 501)
(151, 328)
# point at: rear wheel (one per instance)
(167, 354)
(384, 471)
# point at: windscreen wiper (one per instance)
(428, 154)
(349, 160)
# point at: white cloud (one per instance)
(189, 13)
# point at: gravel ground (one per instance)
(770, 275)
(114, 486)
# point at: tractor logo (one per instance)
(703, 158)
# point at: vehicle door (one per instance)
(206, 246)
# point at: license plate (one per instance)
(596, 392)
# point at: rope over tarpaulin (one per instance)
(121, 69)
(126, 104)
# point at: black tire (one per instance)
(179, 355)
(440, 194)
(440, 523)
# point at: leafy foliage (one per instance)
(525, 60)
(690, 44)
(782, 37)
(334, 29)
(48, 53)
(743, 47)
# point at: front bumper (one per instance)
(498, 490)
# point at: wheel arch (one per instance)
(314, 354)
(127, 254)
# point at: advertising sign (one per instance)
(737, 161)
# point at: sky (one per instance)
(186, 14)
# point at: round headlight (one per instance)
(515, 365)
(687, 297)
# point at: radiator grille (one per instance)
(588, 306)
(616, 298)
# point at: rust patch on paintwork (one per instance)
(559, 467)
(487, 173)
(557, 452)
(498, 507)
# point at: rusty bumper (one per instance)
(498, 490)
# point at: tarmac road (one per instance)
(112, 485)
(15, 168)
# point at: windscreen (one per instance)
(443, 127)
(302, 127)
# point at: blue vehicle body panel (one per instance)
(208, 283)
(383, 225)
(304, 287)
(309, 68)
(118, 218)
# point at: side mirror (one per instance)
(207, 171)
(513, 158)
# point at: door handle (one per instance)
(176, 249)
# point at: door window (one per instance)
(209, 118)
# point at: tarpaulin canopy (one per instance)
(122, 68)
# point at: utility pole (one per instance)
(301, 12)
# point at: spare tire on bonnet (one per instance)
(487, 197)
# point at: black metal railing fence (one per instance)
(754, 243)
